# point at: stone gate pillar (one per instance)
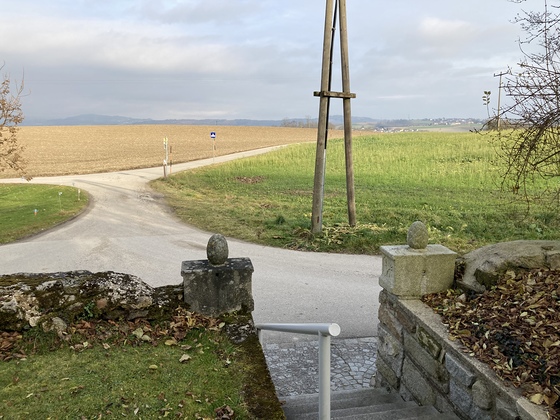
(413, 270)
(219, 284)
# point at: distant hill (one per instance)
(94, 119)
(335, 120)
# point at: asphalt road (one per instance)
(127, 228)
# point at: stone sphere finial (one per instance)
(417, 236)
(217, 249)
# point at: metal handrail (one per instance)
(325, 332)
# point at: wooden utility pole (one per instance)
(333, 6)
(502, 73)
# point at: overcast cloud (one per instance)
(257, 59)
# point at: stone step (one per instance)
(361, 404)
(340, 400)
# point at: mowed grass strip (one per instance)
(450, 181)
(111, 372)
(121, 381)
(51, 151)
(27, 209)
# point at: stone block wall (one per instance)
(417, 359)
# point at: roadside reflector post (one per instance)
(213, 138)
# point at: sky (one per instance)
(255, 59)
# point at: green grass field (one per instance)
(450, 181)
(27, 209)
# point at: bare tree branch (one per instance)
(530, 146)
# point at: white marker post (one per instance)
(166, 159)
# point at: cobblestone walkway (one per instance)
(294, 366)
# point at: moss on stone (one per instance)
(259, 392)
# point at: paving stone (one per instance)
(294, 366)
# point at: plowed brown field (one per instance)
(89, 149)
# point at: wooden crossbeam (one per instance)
(327, 94)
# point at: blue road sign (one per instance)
(212, 134)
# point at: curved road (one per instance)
(128, 229)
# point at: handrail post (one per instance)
(325, 332)
(324, 377)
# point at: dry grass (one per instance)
(89, 149)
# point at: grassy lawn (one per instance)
(26, 209)
(447, 180)
(119, 381)
(184, 368)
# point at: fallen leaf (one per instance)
(513, 327)
(76, 389)
(224, 413)
(185, 358)
(537, 399)
(551, 400)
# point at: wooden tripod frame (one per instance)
(325, 94)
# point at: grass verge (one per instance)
(450, 181)
(185, 368)
(29, 209)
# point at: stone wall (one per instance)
(219, 285)
(416, 358)
(415, 355)
(28, 300)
